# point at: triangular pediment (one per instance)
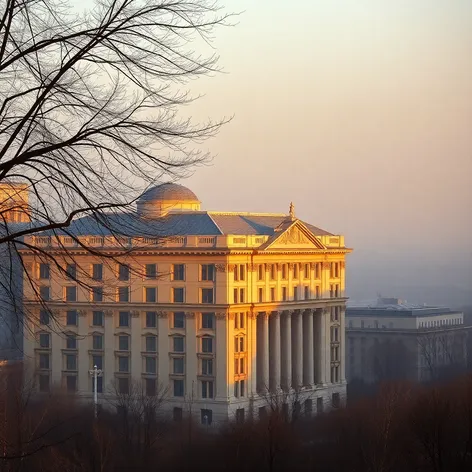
(293, 236)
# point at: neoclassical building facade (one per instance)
(216, 309)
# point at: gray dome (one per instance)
(168, 191)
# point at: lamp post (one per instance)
(95, 373)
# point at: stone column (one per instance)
(308, 349)
(84, 384)
(320, 348)
(136, 345)
(327, 344)
(252, 338)
(286, 352)
(263, 352)
(163, 348)
(274, 351)
(297, 350)
(342, 329)
(111, 345)
(224, 349)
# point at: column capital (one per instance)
(221, 315)
(135, 314)
(162, 314)
(82, 312)
(251, 267)
(325, 265)
(275, 314)
(263, 315)
(220, 267)
(252, 315)
(108, 313)
(190, 315)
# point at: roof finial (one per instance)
(292, 211)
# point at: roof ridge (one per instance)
(215, 223)
(243, 213)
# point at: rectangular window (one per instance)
(123, 385)
(151, 387)
(241, 365)
(260, 272)
(306, 271)
(207, 295)
(71, 294)
(295, 271)
(97, 341)
(71, 362)
(97, 318)
(44, 361)
(123, 294)
(242, 272)
(236, 366)
(44, 340)
(318, 270)
(273, 272)
(151, 365)
(207, 366)
(123, 319)
(179, 320)
(235, 295)
(208, 321)
(241, 295)
(97, 294)
(97, 271)
(71, 270)
(71, 318)
(44, 272)
(178, 344)
(207, 345)
(123, 272)
(71, 383)
(242, 389)
(151, 271)
(207, 389)
(317, 291)
(151, 319)
(242, 320)
(260, 296)
(178, 365)
(284, 271)
(307, 292)
(178, 272)
(206, 416)
(178, 295)
(151, 343)
(284, 293)
(272, 294)
(208, 272)
(123, 343)
(295, 293)
(44, 293)
(71, 341)
(177, 414)
(44, 317)
(178, 388)
(123, 364)
(43, 383)
(99, 384)
(97, 360)
(150, 294)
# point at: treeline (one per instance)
(402, 428)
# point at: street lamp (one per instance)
(95, 373)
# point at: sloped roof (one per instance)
(196, 223)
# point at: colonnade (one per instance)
(293, 349)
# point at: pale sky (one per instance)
(359, 111)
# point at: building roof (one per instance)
(168, 192)
(198, 223)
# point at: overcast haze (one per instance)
(360, 112)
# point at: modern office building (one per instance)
(390, 339)
(216, 308)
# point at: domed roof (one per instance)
(169, 192)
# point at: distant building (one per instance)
(391, 339)
(14, 215)
(217, 307)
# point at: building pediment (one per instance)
(293, 236)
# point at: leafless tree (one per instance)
(91, 114)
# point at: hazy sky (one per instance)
(359, 111)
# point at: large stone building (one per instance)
(218, 308)
(390, 339)
(14, 216)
